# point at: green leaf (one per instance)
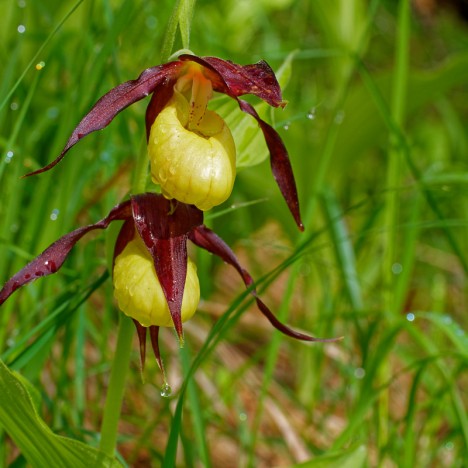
(452, 330)
(354, 458)
(39, 445)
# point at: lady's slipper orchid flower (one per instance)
(191, 149)
(154, 281)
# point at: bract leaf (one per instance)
(39, 445)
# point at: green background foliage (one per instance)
(376, 131)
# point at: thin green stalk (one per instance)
(115, 392)
(121, 362)
(395, 159)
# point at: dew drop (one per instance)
(52, 112)
(162, 176)
(242, 417)
(166, 390)
(40, 65)
(9, 157)
(286, 126)
(410, 317)
(339, 117)
(397, 268)
(50, 264)
(14, 106)
(359, 373)
(151, 22)
(54, 214)
(311, 114)
(21, 28)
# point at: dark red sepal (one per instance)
(154, 334)
(237, 80)
(116, 100)
(141, 332)
(52, 258)
(163, 225)
(208, 240)
(280, 163)
(159, 99)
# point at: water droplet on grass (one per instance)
(311, 114)
(286, 126)
(21, 28)
(339, 117)
(9, 157)
(410, 317)
(359, 373)
(166, 390)
(54, 214)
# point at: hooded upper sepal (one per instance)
(116, 100)
(51, 260)
(237, 80)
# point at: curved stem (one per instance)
(116, 388)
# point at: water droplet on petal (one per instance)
(166, 390)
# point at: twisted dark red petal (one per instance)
(154, 334)
(52, 258)
(237, 80)
(163, 225)
(208, 240)
(141, 332)
(116, 100)
(279, 162)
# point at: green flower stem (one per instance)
(120, 365)
(116, 388)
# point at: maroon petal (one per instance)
(157, 103)
(236, 80)
(208, 240)
(280, 163)
(163, 226)
(116, 100)
(154, 334)
(141, 332)
(52, 258)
